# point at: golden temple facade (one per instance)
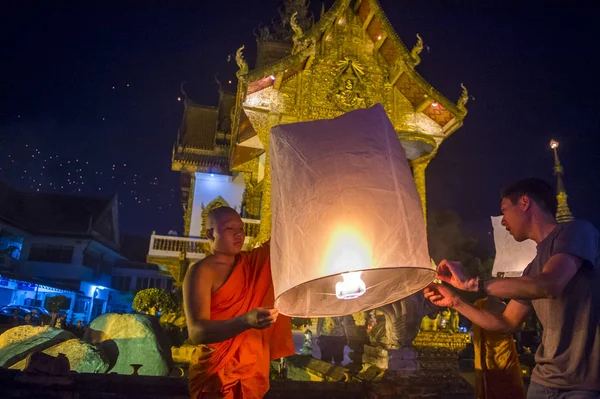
(350, 58)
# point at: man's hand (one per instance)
(454, 274)
(261, 318)
(440, 295)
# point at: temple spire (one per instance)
(563, 213)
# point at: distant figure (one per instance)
(34, 317)
(307, 345)
(283, 368)
(497, 367)
(15, 318)
(27, 319)
(331, 338)
(64, 323)
(173, 233)
(372, 321)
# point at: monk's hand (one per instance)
(455, 274)
(441, 295)
(261, 318)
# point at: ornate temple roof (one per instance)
(199, 126)
(408, 81)
(203, 139)
(353, 41)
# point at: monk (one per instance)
(497, 367)
(228, 301)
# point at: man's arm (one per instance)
(197, 287)
(507, 322)
(550, 283)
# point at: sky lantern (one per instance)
(348, 231)
(512, 257)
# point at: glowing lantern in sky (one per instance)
(512, 257)
(348, 231)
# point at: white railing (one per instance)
(172, 246)
(251, 228)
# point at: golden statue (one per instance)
(347, 96)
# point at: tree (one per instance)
(152, 301)
(300, 322)
(447, 241)
(54, 305)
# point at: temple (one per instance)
(563, 213)
(350, 58)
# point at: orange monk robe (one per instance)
(239, 367)
(497, 367)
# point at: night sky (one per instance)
(88, 95)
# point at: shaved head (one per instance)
(225, 231)
(218, 215)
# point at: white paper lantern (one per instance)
(348, 231)
(512, 257)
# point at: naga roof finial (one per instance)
(464, 98)
(241, 62)
(295, 27)
(414, 53)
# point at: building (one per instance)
(60, 245)
(350, 58)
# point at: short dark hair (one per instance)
(538, 190)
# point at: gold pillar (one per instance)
(187, 218)
(419, 166)
(184, 262)
(265, 210)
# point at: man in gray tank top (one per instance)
(561, 284)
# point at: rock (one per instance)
(83, 357)
(127, 339)
(18, 342)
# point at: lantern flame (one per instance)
(352, 287)
(348, 254)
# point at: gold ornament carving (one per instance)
(241, 63)
(350, 85)
(414, 53)
(214, 204)
(464, 98)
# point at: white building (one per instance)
(59, 245)
(201, 154)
